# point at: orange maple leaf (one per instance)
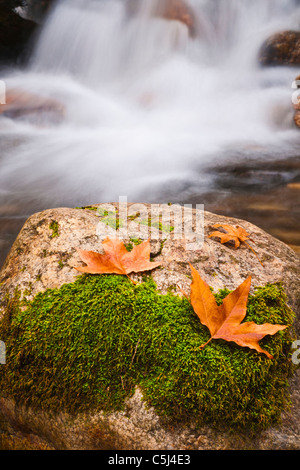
(117, 260)
(236, 234)
(225, 321)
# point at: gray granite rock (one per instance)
(45, 256)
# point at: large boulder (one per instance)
(281, 48)
(44, 256)
(54, 235)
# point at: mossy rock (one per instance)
(97, 362)
(89, 344)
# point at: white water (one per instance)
(145, 104)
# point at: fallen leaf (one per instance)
(117, 260)
(236, 234)
(225, 321)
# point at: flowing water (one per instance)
(151, 112)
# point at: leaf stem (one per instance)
(184, 294)
(203, 345)
(249, 246)
(133, 282)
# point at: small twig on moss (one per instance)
(135, 351)
(122, 383)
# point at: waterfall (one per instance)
(146, 102)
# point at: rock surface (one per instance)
(44, 256)
(281, 49)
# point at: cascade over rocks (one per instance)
(44, 256)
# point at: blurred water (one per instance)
(147, 106)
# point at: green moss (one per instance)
(133, 216)
(54, 226)
(88, 345)
(133, 242)
(89, 208)
(157, 224)
(136, 241)
(109, 218)
(113, 222)
(101, 212)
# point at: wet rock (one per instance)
(179, 11)
(297, 118)
(282, 48)
(176, 10)
(37, 10)
(33, 108)
(16, 34)
(44, 256)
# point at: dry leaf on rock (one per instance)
(117, 260)
(236, 234)
(225, 321)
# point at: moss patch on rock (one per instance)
(88, 345)
(54, 227)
